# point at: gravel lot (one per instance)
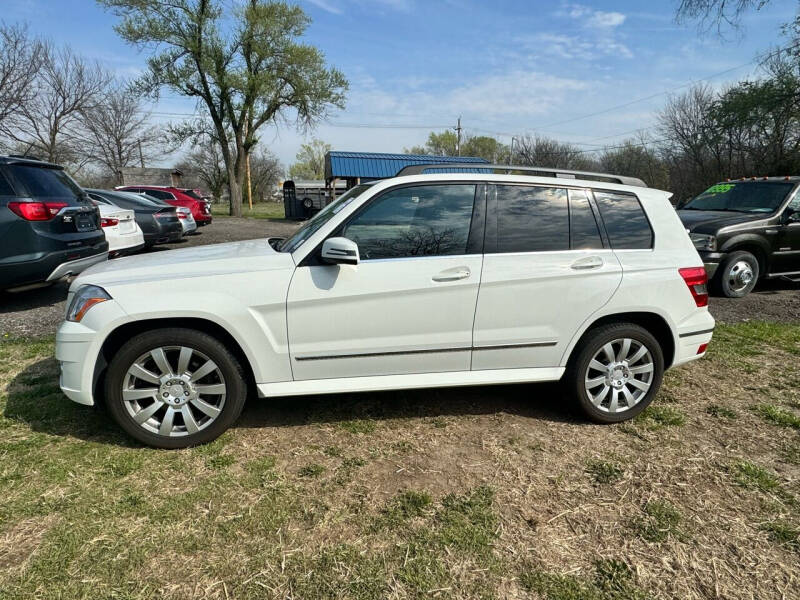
(38, 312)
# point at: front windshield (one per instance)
(750, 197)
(326, 214)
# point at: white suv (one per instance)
(421, 280)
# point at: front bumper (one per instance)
(711, 261)
(78, 348)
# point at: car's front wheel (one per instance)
(616, 373)
(173, 388)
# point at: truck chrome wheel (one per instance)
(740, 275)
(619, 375)
(174, 391)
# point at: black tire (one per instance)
(579, 369)
(205, 347)
(728, 278)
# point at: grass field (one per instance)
(468, 493)
(261, 210)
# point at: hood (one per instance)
(711, 221)
(202, 261)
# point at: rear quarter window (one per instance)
(626, 224)
(5, 187)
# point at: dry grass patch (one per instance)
(463, 493)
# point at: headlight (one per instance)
(84, 299)
(702, 241)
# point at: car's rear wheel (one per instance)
(616, 373)
(737, 275)
(173, 388)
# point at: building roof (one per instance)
(150, 176)
(373, 165)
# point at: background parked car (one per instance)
(187, 220)
(48, 227)
(160, 224)
(176, 197)
(746, 230)
(123, 234)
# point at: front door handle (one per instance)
(589, 262)
(453, 274)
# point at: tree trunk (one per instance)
(235, 192)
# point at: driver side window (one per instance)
(430, 220)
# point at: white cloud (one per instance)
(325, 5)
(592, 18)
(605, 19)
(512, 95)
(337, 7)
(578, 47)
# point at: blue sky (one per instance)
(505, 66)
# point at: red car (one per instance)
(191, 199)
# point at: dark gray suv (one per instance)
(49, 229)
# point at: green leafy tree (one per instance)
(245, 66)
(446, 144)
(310, 165)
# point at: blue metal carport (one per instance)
(356, 167)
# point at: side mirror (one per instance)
(340, 250)
(792, 216)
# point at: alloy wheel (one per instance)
(619, 375)
(174, 391)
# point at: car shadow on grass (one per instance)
(543, 401)
(35, 399)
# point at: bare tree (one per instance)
(717, 13)
(48, 122)
(116, 131)
(19, 65)
(638, 157)
(265, 172)
(206, 166)
(544, 152)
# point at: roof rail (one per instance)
(420, 169)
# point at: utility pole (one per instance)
(141, 156)
(511, 158)
(457, 129)
(249, 187)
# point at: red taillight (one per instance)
(702, 348)
(36, 211)
(108, 222)
(697, 281)
(181, 215)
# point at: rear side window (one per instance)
(39, 182)
(532, 219)
(5, 187)
(584, 233)
(430, 220)
(158, 194)
(625, 221)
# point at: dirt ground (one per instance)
(493, 492)
(39, 312)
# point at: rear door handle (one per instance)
(589, 262)
(453, 274)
